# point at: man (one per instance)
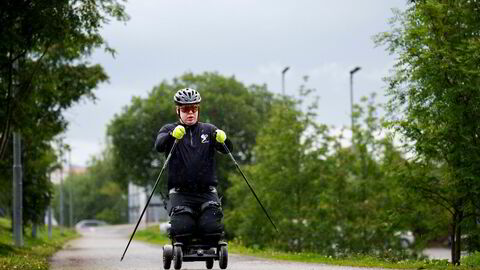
(194, 205)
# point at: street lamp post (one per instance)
(351, 95)
(50, 212)
(283, 79)
(70, 202)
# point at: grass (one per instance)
(152, 235)
(473, 260)
(35, 252)
(468, 262)
(306, 257)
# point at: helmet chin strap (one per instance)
(179, 118)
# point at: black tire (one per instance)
(223, 257)
(177, 257)
(209, 263)
(167, 256)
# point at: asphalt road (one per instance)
(101, 249)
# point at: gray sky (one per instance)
(252, 40)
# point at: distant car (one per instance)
(89, 224)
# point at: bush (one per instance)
(472, 260)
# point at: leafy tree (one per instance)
(325, 197)
(43, 71)
(435, 86)
(95, 194)
(227, 103)
(282, 177)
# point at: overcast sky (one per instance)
(252, 40)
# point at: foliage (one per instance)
(226, 103)
(36, 251)
(95, 194)
(325, 197)
(472, 260)
(435, 86)
(43, 71)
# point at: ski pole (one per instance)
(149, 198)
(248, 184)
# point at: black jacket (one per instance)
(192, 164)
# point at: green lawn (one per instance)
(36, 251)
(153, 235)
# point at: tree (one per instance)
(435, 86)
(227, 103)
(43, 71)
(324, 196)
(283, 177)
(43, 68)
(96, 194)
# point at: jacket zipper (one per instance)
(191, 141)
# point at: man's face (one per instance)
(188, 114)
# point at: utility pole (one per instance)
(17, 191)
(62, 221)
(351, 96)
(70, 203)
(17, 176)
(49, 211)
(283, 79)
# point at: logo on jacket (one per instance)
(204, 138)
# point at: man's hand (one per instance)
(221, 136)
(178, 132)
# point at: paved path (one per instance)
(101, 249)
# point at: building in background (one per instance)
(137, 198)
(56, 175)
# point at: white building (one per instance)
(137, 199)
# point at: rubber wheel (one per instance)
(209, 263)
(167, 256)
(223, 257)
(177, 257)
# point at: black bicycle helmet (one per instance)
(187, 96)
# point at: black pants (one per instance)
(195, 214)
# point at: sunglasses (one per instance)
(189, 108)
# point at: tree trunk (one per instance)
(458, 244)
(456, 236)
(6, 126)
(453, 239)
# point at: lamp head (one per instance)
(355, 70)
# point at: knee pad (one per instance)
(182, 219)
(210, 220)
(210, 204)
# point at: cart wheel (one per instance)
(209, 263)
(167, 256)
(223, 257)
(177, 257)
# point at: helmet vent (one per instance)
(187, 96)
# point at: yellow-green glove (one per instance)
(178, 132)
(221, 136)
